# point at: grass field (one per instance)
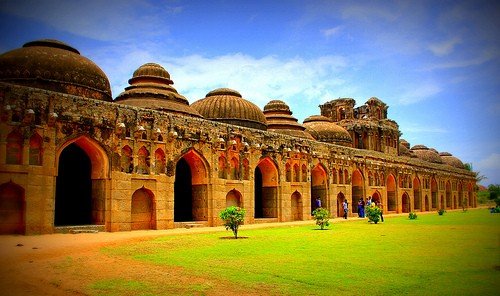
(454, 254)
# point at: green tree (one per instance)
(478, 176)
(322, 217)
(233, 217)
(494, 190)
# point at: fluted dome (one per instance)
(151, 87)
(56, 66)
(325, 130)
(280, 120)
(426, 154)
(228, 106)
(451, 160)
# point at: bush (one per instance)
(412, 215)
(441, 212)
(495, 210)
(233, 217)
(322, 216)
(373, 213)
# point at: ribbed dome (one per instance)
(404, 143)
(325, 130)
(426, 154)
(228, 106)
(280, 120)
(451, 160)
(150, 87)
(53, 65)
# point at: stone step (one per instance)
(190, 224)
(265, 220)
(80, 229)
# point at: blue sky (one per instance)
(435, 63)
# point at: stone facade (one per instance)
(71, 159)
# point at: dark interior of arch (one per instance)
(73, 188)
(259, 213)
(183, 202)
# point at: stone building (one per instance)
(70, 155)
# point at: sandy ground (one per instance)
(67, 264)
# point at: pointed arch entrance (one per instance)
(233, 198)
(266, 189)
(296, 206)
(143, 210)
(434, 194)
(417, 194)
(81, 183)
(405, 203)
(340, 208)
(12, 209)
(391, 193)
(191, 188)
(357, 189)
(448, 195)
(319, 186)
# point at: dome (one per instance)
(280, 120)
(151, 87)
(404, 143)
(55, 66)
(228, 106)
(426, 154)
(451, 160)
(325, 130)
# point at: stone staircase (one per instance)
(80, 229)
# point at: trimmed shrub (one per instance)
(441, 212)
(373, 213)
(233, 217)
(322, 217)
(412, 215)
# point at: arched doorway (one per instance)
(448, 195)
(434, 194)
(441, 204)
(190, 188)
(376, 197)
(426, 200)
(340, 208)
(417, 194)
(73, 188)
(319, 187)
(391, 193)
(12, 209)
(266, 189)
(233, 198)
(405, 202)
(82, 171)
(143, 210)
(357, 189)
(296, 206)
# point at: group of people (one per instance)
(361, 207)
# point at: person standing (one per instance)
(379, 204)
(345, 205)
(318, 202)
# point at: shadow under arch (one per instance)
(266, 189)
(191, 188)
(82, 171)
(12, 209)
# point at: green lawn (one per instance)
(454, 254)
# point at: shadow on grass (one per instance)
(232, 237)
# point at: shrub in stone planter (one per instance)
(322, 217)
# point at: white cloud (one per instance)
(331, 31)
(445, 47)
(490, 162)
(480, 59)
(419, 93)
